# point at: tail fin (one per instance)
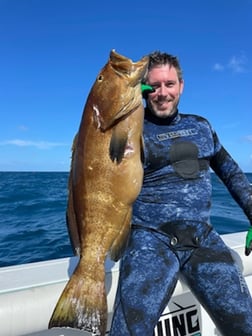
(82, 304)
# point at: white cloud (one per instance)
(249, 138)
(28, 143)
(218, 67)
(23, 128)
(236, 64)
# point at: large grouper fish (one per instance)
(105, 179)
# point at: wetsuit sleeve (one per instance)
(232, 176)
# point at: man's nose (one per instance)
(162, 91)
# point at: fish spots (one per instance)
(136, 183)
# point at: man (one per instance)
(171, 231)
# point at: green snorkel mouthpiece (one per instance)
(146, 89)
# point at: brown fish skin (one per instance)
(105, 179)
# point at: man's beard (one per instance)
(165, 113)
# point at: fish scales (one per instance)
(105, 179)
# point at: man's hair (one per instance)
(157, 58)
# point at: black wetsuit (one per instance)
(172, 234)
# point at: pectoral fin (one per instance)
(118, 143)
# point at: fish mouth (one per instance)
(125, 66)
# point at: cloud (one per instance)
(218, 67)
(249, 138)
(237, 64)
(28, 143)
(23, 128)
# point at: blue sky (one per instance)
(52, 51)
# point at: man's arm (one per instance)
(236, 181)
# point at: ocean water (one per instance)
(32, 216)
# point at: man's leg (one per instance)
(148, 275)
(220, 287)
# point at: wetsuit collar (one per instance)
(161, 121)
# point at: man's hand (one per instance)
(248, 247)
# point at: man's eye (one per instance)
(170, 84)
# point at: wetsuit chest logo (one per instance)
(177, 134)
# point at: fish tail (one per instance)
(83, 304)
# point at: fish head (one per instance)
(116, 91)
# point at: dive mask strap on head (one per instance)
(146, 89)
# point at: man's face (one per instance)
(168, 88)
